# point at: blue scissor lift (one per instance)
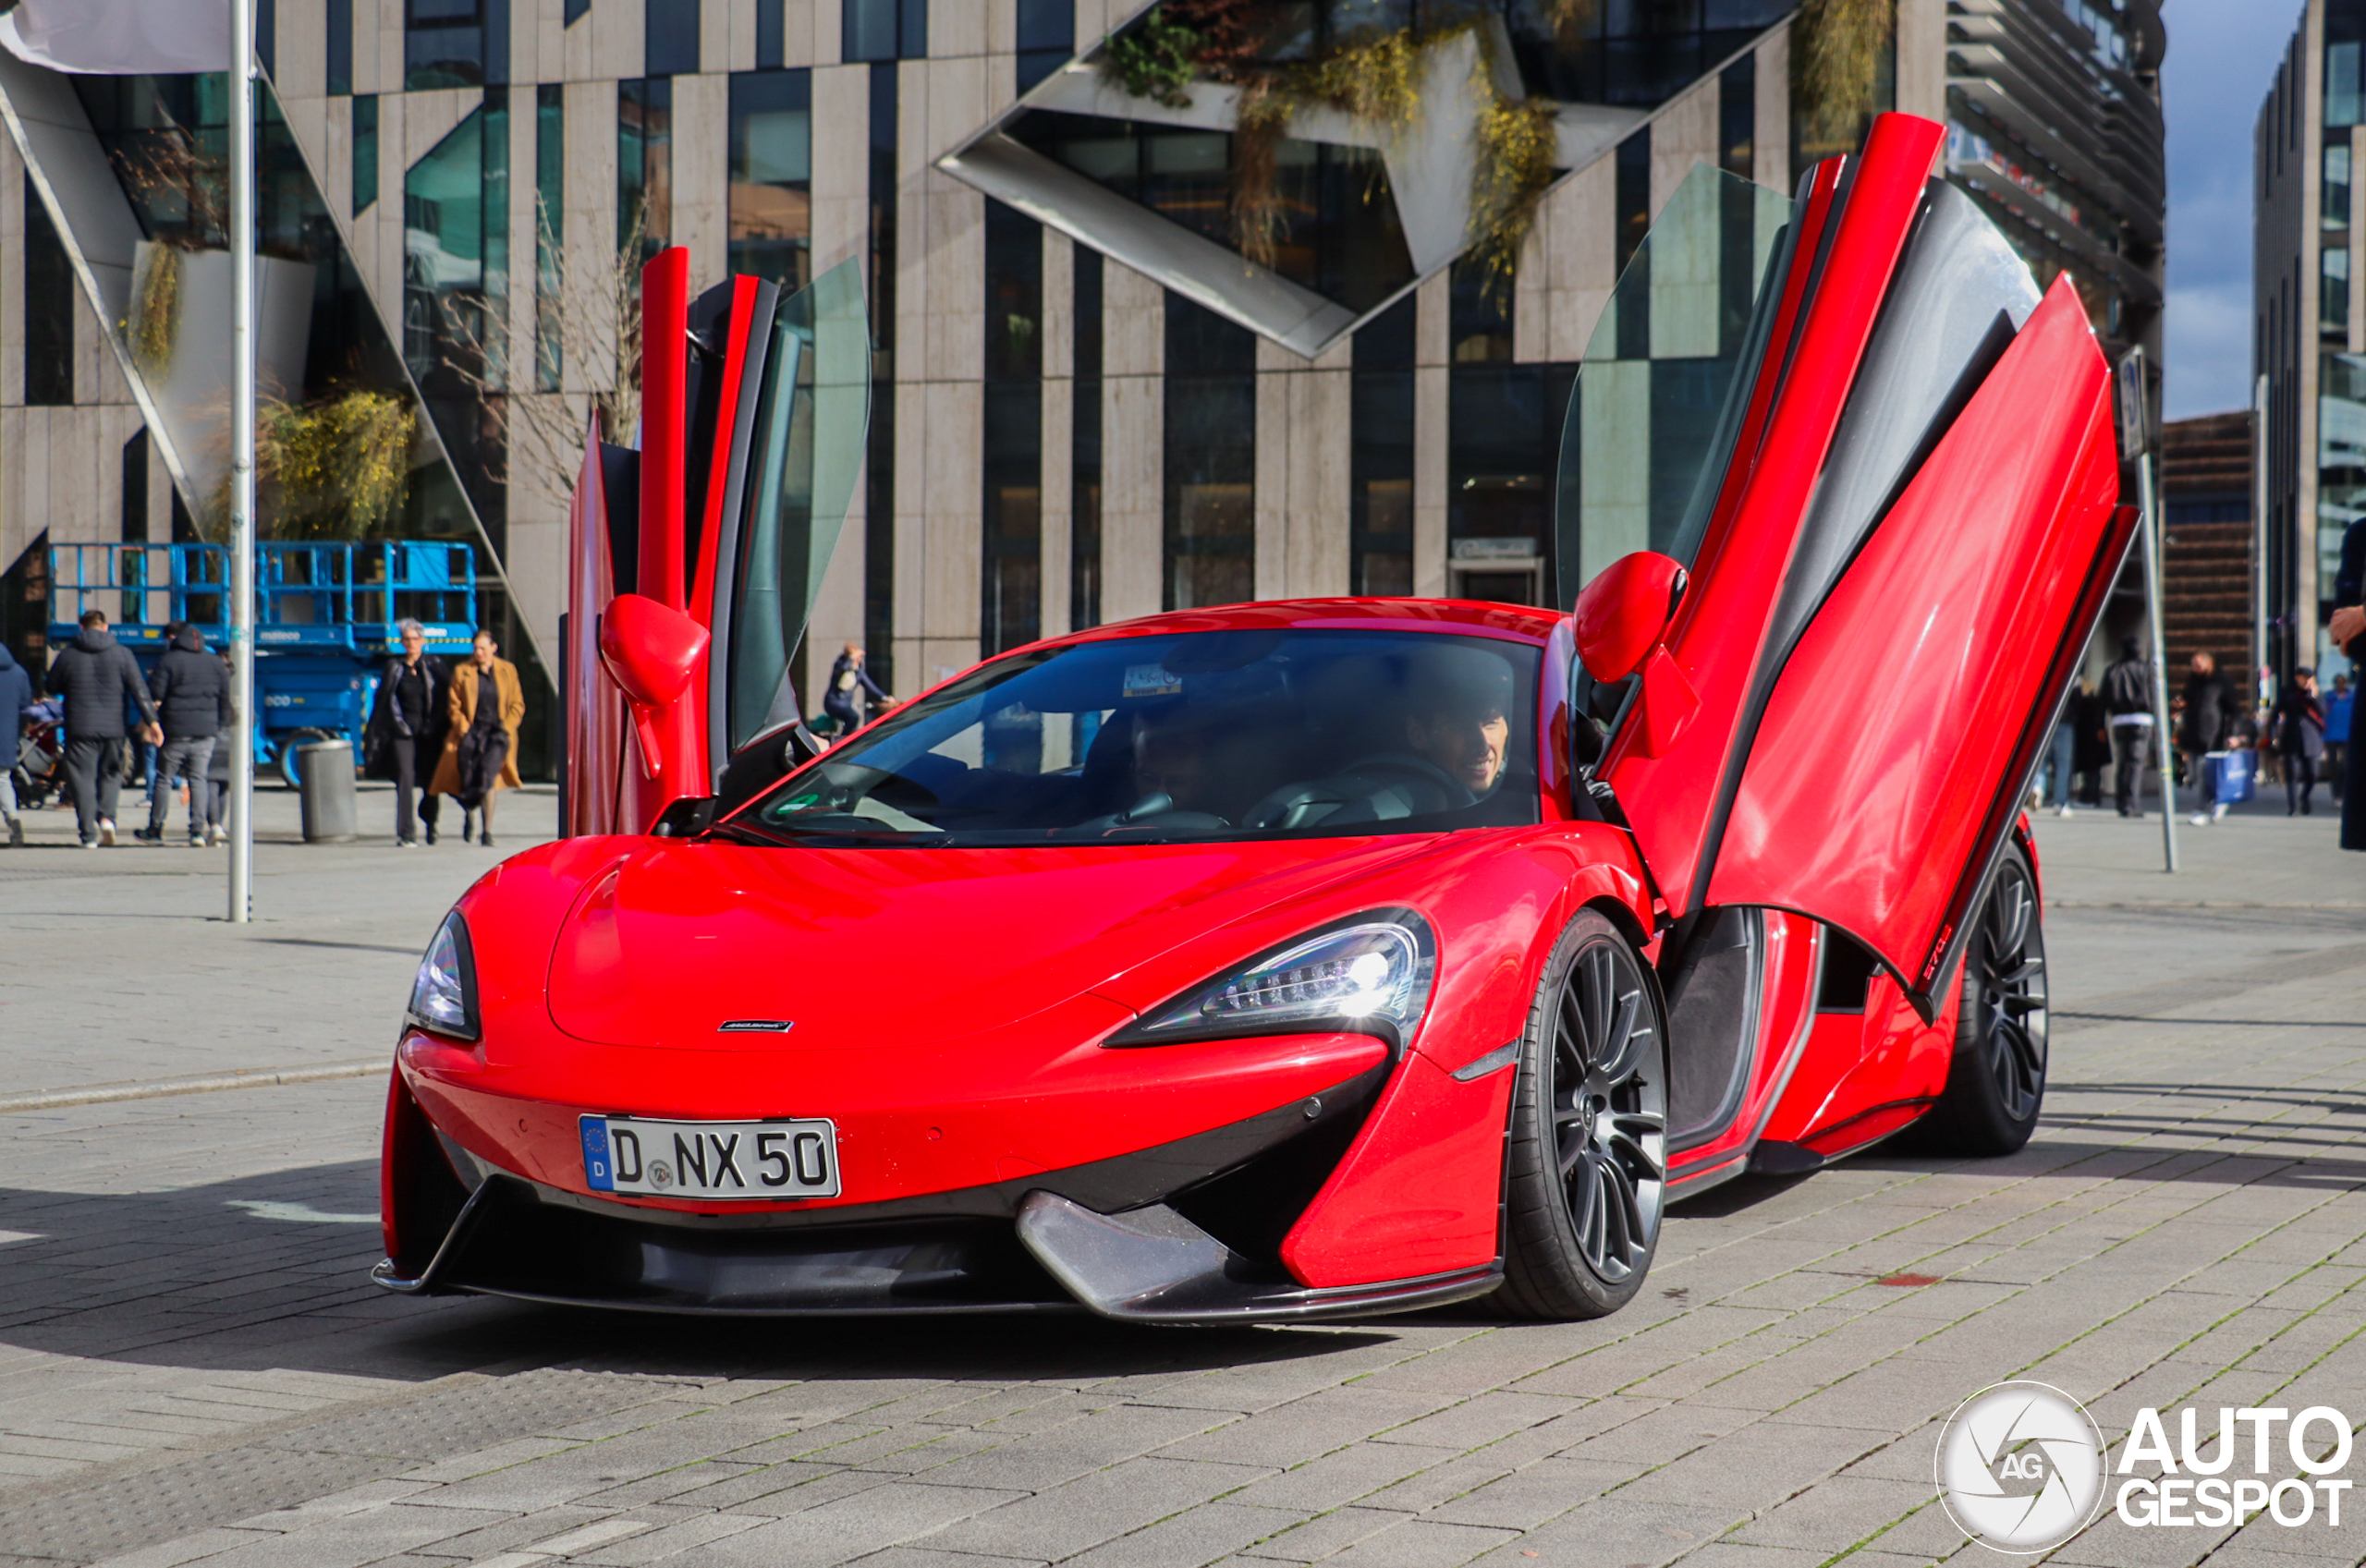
(325, 619)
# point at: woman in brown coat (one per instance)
(481, 744)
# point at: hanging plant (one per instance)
(335, 468)
(1837, 47)
(155, 311)
(1512, 168)
(1371, 76)
(1156, 60)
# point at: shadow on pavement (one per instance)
(272, 1271)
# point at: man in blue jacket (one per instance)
(94, 673)
(16, 696)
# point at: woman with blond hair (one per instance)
(485, 705)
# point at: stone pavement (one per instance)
(192, 1369)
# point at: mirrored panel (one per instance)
(1665, 379)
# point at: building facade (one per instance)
(2309, 322)
(1107, 380)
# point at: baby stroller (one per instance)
(40, 771)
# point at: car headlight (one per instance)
(1368, 975)
(444, 996)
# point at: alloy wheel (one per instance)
(2008, 978)
(1609, 1109)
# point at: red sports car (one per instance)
(1292, 960)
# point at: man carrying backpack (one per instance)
(2127, 697)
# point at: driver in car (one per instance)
(1458, 715)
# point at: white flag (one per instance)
(120, 37)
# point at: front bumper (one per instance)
(1188, 1231)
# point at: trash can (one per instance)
(325, 769)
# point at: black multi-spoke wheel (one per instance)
(1588, 1155)
(1996, 1081)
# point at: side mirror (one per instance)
(1624, 613)
(1620, 627)
(650, 651)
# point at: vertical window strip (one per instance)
(1011, 560)
(1738, 117)
(550, 232)
(574, 12)
(493, 304)
(1380, 460)
(670, 37)
(1211, 458)
(879, 471)
(49, 308)
(645, 162)
(365, 151)
(1084, 449)
(1046, 38)
(769, 176)
(771, 46)
(340, 48)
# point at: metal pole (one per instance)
(242, 457)
(2259, 540)
(2149, 540)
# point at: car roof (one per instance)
(1524, 622)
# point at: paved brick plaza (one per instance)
(192, 1369)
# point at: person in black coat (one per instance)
(193, 704)
(2208, 722)
(2348, 629)
(97, 675)
(405, 729)
(2299, 725)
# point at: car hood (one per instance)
(861, 948)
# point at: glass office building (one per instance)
(1101, 390)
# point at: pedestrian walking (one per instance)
(96, 676)
(852, 690)
(2061, 751)
(16, 696)
(2299, 725)
(483, 712)
(192, 697)
(2090, 747)
(2208, 721)
(406, 731)
(2337, 705)
(2128, 699)
(2347, 631)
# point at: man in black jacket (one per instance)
(2127, 697)
(193, 700)
(94, 673)
(405, 732)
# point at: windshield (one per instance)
(1189, 737)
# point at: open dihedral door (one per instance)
(1901, 535)
(697, 557)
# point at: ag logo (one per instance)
(2020, 1467)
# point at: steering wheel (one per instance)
(1455, 795)
(1307, 803)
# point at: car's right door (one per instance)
(1901, 531)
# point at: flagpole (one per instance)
(242, 457)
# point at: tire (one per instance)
(1996, 1078)
(1588, 1161)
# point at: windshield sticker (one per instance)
(1151, 680)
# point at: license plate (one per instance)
(711, 1159)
